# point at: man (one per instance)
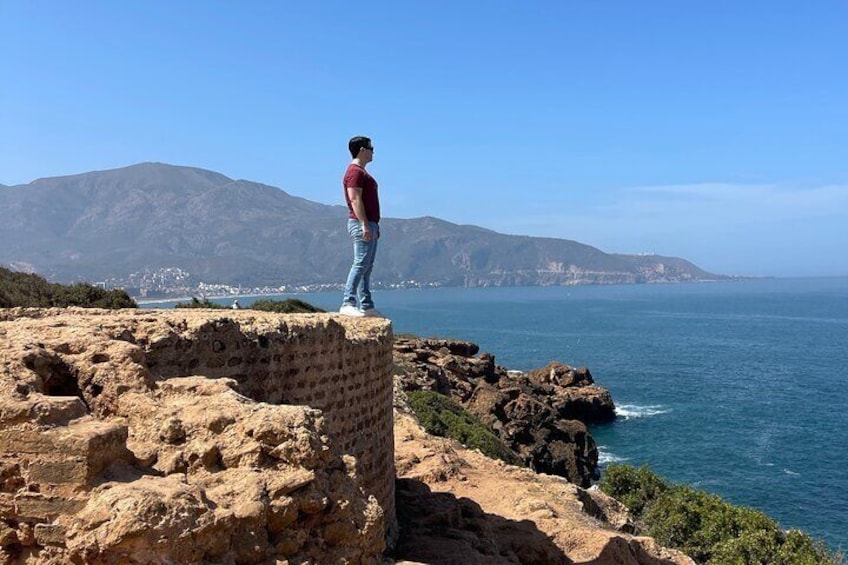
(363, 225)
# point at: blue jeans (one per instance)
(358, 283)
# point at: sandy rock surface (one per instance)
(456, 506)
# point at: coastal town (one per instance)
(174, 282)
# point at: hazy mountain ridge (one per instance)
(108, 224)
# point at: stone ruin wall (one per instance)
(347, 377)
(90, 396)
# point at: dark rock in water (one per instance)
(541, 415)
(591, 405)
(559, 374)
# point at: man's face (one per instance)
(366, 154)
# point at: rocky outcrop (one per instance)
(194, 436)
(541, 415)
(573, 393)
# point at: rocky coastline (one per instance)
(541, 415)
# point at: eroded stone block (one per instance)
(72, 470)
(100, 443)
(36, 506)
(19, 440)
(50, 534)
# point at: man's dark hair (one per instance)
(357, 143)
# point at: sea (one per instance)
(737, 388)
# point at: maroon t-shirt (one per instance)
(357, 176)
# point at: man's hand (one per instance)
(367, 234)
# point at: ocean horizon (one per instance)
(736, 388)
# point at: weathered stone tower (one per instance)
(271, 428)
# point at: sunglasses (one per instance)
(369, 148)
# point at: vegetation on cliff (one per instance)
(29, 290)
(195, 302)
(442, 417)
(287, 306)
(707, 528)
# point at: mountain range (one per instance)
(109, 224)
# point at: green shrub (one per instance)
(288, 306)
(197, 303)
(83, 294)
(750, 546)
(441, 416)
(800, 549)
(770, 545)
(27, 290)
(707, 528)
(633, 487)
(699, 524)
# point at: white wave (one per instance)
(607, 458)
(791, 473)
(628, 411)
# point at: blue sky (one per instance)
(712, 130)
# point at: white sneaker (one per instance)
(372, 313)
(348, 310)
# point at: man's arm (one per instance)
(355, 195)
